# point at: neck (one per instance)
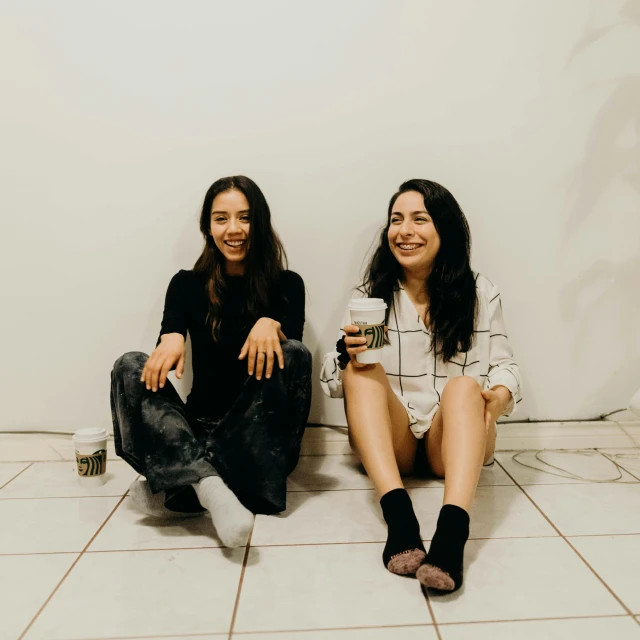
(234, 268)
(415, 283)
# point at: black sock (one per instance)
(442, 568)
(404, 550)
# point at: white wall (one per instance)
(116, 116)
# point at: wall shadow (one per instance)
(607, 162)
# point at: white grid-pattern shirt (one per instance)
(417, 377)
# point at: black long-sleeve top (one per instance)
(218, 375)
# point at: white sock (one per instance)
(231, 519)
(151, 504)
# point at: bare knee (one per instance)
(462, 387)
(353, 376)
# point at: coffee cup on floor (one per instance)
(91, 455)
(368, 314)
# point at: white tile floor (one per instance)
(554, 552)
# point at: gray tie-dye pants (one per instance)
(253, 448)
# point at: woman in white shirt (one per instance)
(447, 374)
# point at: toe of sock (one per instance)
(435, 578)
(236, 535)
(406, 563)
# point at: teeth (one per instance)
(236, 243)
(408, 247)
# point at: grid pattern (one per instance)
(553, 552)
(417, 376)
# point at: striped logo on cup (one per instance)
(374, 333)
(92, 465)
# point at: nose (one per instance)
(406, 229)
(234, 226)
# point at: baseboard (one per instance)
(514, 436)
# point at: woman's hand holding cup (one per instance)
(355, 344)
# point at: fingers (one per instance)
(180, 367)
(260, 360)
(274, 350)
(143, 375)
(355, 345)
(351, 328)
(155, 373)
(164, 370)
(279, 354)
(270, 360)
(261, 350)
(148, 370)
(251, 361)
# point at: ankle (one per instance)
(404, 550)
(454, 521)
(397, 508)
(443, 566)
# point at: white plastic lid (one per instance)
(365, 304)
(90, 434)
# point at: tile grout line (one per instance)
(70, 569)
(41, 438)
(595, 573)
(415, 625)
(425, 592)
(437, 486)
(626, 433)
(556, 618)
(8, 482)
(318, 629)
(359, 628)
(156, 636)
(242, 572)
(39, 553)
(116, 495)
(300, 544)
(219, 634)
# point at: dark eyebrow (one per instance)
(243, 211)
(413, 213)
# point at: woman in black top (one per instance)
(230, 448)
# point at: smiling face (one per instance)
(413, 239)
(229, 228)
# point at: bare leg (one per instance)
(379, 430)
(379, 434)
(457, 445)
(457, 441)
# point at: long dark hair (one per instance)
(265, 260)
(451, 285)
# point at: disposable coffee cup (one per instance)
(91, 455)
(369, 315)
